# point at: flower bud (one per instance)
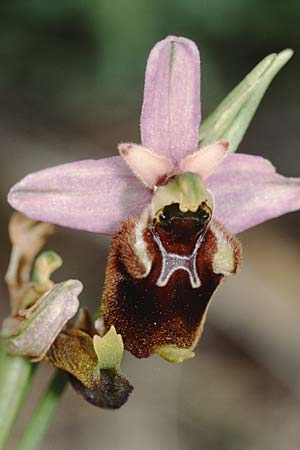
(93, 365)
(32, 334)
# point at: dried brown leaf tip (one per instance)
(94, 366)
(163, 269)
(27, 237)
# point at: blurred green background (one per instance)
(71, 86)
(67, 57)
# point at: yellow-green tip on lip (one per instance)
(174, 354)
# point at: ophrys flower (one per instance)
(185, 193)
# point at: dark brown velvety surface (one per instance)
(148, 316)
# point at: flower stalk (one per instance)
(44, 412)
(15, 379)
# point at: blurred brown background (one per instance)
(71, 80)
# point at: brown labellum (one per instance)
(162, 272)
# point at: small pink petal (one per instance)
(206, 160)
(248, 191)
(171, 109)
(146, 165)
(92, 195)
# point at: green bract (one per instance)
(230, 120)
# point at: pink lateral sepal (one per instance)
(249, 191)
(92, 195)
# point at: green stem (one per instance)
(15, 376)
(42, 416)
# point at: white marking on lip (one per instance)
(171, 262)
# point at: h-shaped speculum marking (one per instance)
(172, 262)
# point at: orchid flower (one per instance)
(167, 175)
(98, 195)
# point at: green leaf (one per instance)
(230, 120)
